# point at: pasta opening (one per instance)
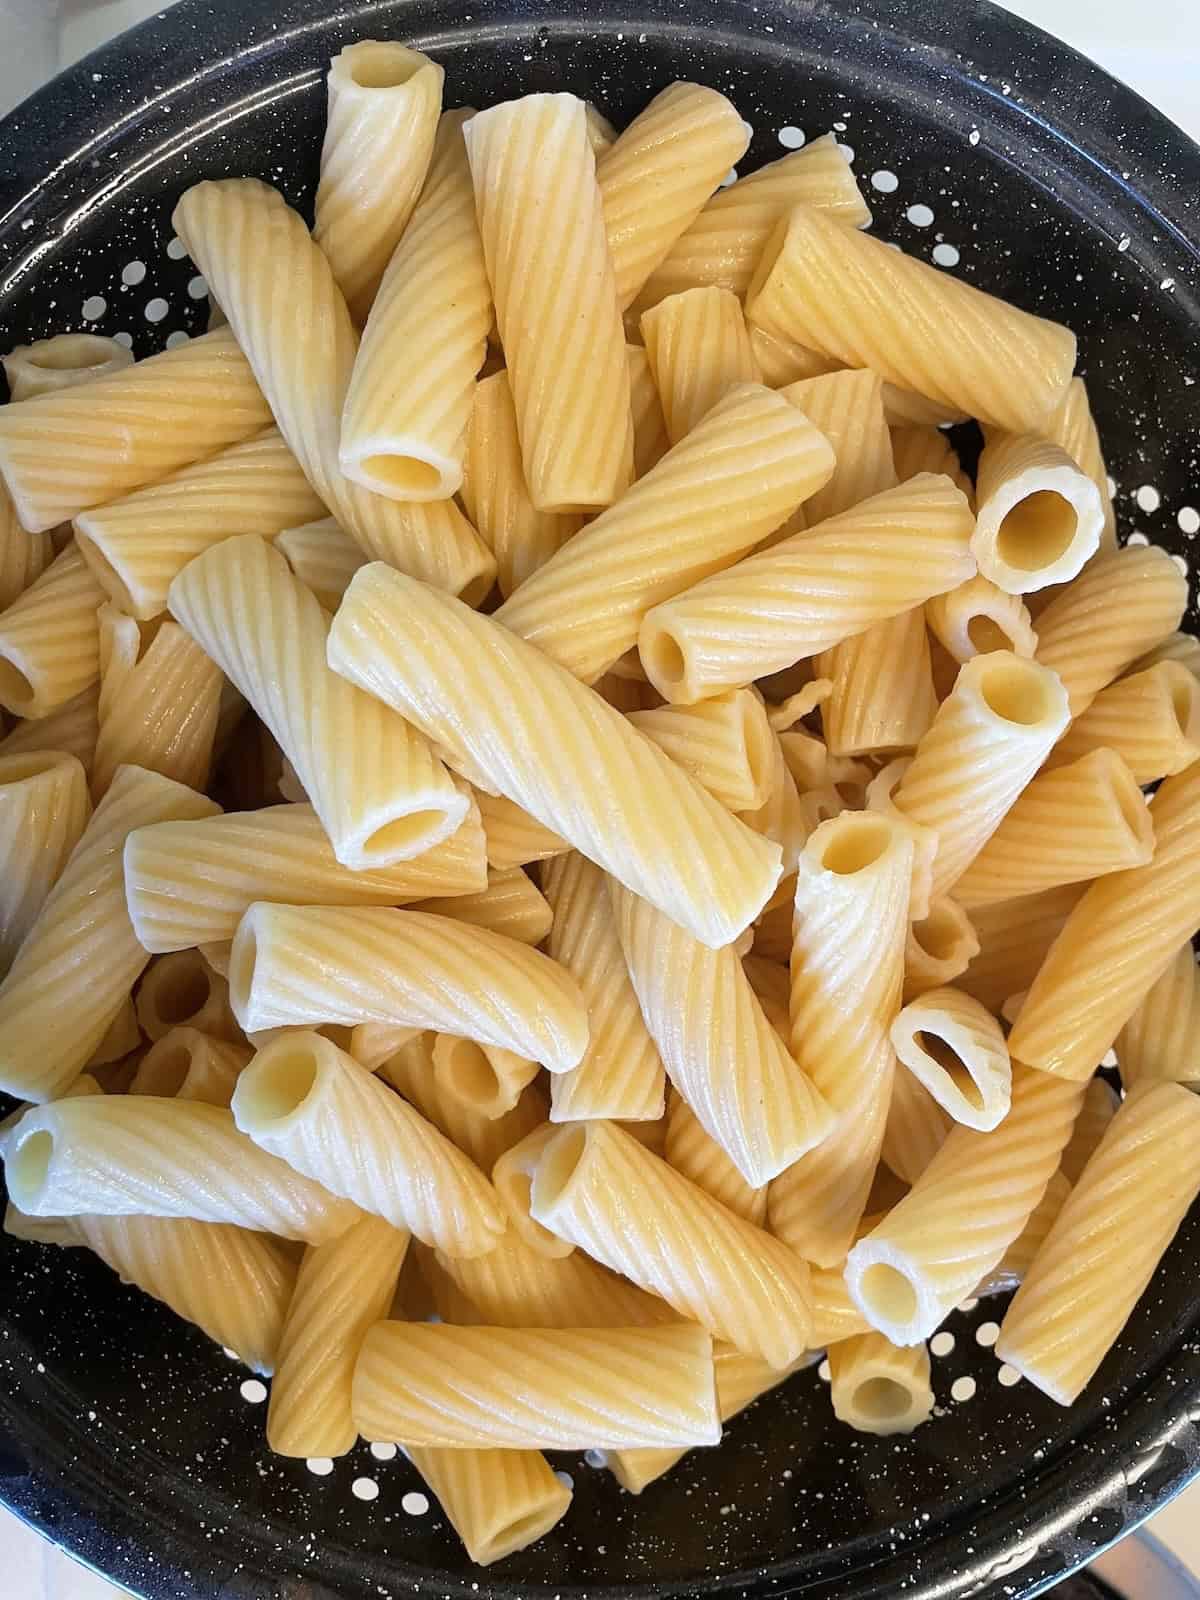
(243, 957)
(406, 473)
(557, 1167)
(106, 575)
(1037, 532)
(943, 1054)
(383, 66)
(663, 659)
(181, 995)
(164, 1069)
(937, 934)
(1185, 704)
(882, 1400)
(275, 1086)
(772, 250)
(70, 352)
(986, 635)
(857, 843)
(515, 1535)
(412, 830)
(16, 691)
(888, 1294)
(27, 1167)
(759, 747)
(1016, 691)
(469, 1076)
(19, 769)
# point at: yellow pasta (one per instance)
(1013, 938)
(962, 1213)
(1019, 1257)
(163, 716)
(65, 452)
(1124, 604)
(1100, 1102)
(977, 618)
(408, 1067)
(383, 796)
(190, 1065)
(488, 1080)
(782, 361)
(61, 363)
(916, 1127)
(1151, 719)
(121, 1155)
(1160, 1040)
(1181, 647)
(698, 349)
(698, 1156)
(725, 743)
(847, 295)
(1039, 517)
(507, 702)
(880, 797)
(807, 594)
(847, 407)
(49, 639)
(878, 1387)
(1102, 1250)
(939, 947)
(183, 990)
(1070, 426)
(342, 1288)
(382, 115)
(709, 501)
(509, 904)
(650, 442)
(955, 1049)
(122, 1036)
(532, 1389)
(318, 964)
(188, 883)
(882, 695)
(621, 1073)
(44, 808)
(926, 449)
(629, 1210)
(290, 318)
(497, 1501)
(512, 1178)
(554, 290)
(233, 1284)
(23, 556)
(1116, 942)
(322, 557)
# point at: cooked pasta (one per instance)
(977, 618)
(698, 1156)
(1100, 1102)
(512, 1178)
(1070, 426)
(955, 1048)
(916, 1127)
(23, 556)
(698, 349)
(44, 808)
(122, 1036)
(1181, 647)
(497, 1501)
(878, 1387)
(880, 797)
(784, 817)
(650, 442)
(725, 743)
(487, 1079)
(1013, 938)
(1018, 1258)
(939, 947)
(782, 361)
(923, 448)
(322, 557)
(510, 904)
(882, 698)
(1039, 517)
(183, 990)
(49, 639)
(1160, 1038)
(163, 714)
(847, 407)
(1151, 719)
(190, 1065)
(61, 363)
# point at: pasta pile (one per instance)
(560, 855)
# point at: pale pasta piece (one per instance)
(410, 395)
(497, 1501)
(940, 946)
(512, 1177)
(987, 740)
(408, 1067)
(882, 696)
(1101, 1252)
(1071, 427)
(122, 1155)
(880, 797)
(1039, 517)
(718, 1048)
(1181, 647)
(1162, 1037)
(650, 442)
(533, 728)
(1125, 603)
(182, 990)
(317, 964)
(708, 502)
(810, 592)
(698, 349)
(916, 1127)
(656, 178)
(847, 407)
(235, 1285)
(1100, 1102)
(918, 449)
(977, 618)
(878, 1387)
(534, 1388)
(342, 1289)
(186, 1064)
(290, 318)
(698, 1156)
(488, 1080)
(554, 289)
(963, 1212)
(62, 362)
(164, 714)
(44, 808)
(955, 1049)
(49, 639)
(601, 133)
(374, 1043)
(1019, 1257)
(323, 557)
(724, 243)
(1116, 943)
(23, 556)
(725, 743)
(783, 361)
(65, 452)
(510, 904)
(122, 1036)
(1013, 937)
(496, 495)
(784, 817)
(1074, 823)
(628, 1209)
(81, 957)
(1151, 719)
(383, 105)
(380, 792)
(851, 912)
(188, 883)
(847, 295)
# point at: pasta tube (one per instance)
(650, 442)
(497, 1501)
(186, 1064)
(163, 714)
(879, 1387)
(1159, 1040)
(23, 556)
(916, 1128)
(489, 1080)
(1013, 938)
(703, 1162)
(1071, 428)
(783, 361)
(926, 449)
(938, 948)
(49, 639)
(882, 697)
(1039, 517)
(61, 363)
(1100, 1102)
(323, 558)
(1018, 1258)
(509, 904)
(698, 349)
(512, 1177)
(182, 989)
(725, 743)
(1151, 719)
(44, 808)
(956, 1049)
(977, 618)
(847, 407)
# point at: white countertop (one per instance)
(1154, 47)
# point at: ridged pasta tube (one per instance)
(724, 243)
(311, 1104)
(139, 1155)
(1160, 1038)
(955, 1048)
(183, 989)
(621, 1074)
(408, 1067)
(989, 737)
(698, 350)
(1074, 823)
(510, 903)
(926, 449)
(65, 452)
(23, 556)
(71, 730)
(719, 1050)
(383, 104)
(940, 945)
(1038, 515)
(847, 407)
(1102, 1250)
(317, 964)
(685, 853)
(1151, 719)
(650, 442)
(49, 639)
(62, 362)
(783, 361)
(122, 1036)
(628, 1209)
(513, 837)
(555, 296)
(489, 1080)
(512, 1177)
(163, 714)
(846, 294)
(1013, 938)
(44, 809)
(1018, 1258)
(878, 1387)
(342, 1289)
(916, 1127)
(1116, 943)
(186, 1064)
(725, 743)
(1181, 647)
(816, 588)
(882, 697)
(535, 1388)
(1071, 427)
(234, 1285)
(736, 476)
(851, 912)
(383, 796)
(656, 178)
(497, 1501)
(1124, 604)
(323, 557)
(413, 383)
(290, 318)
(963, 1212)
(81, 957)
(977, 618)
(703, 1162)
(1100, 1102)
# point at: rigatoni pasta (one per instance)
(1038, 517)
(44, 808)
(49, 639)
(698, 349)
(1159, 1040)
(977, 618)
(1151, 719)
(955, 1047)
(61, 362)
